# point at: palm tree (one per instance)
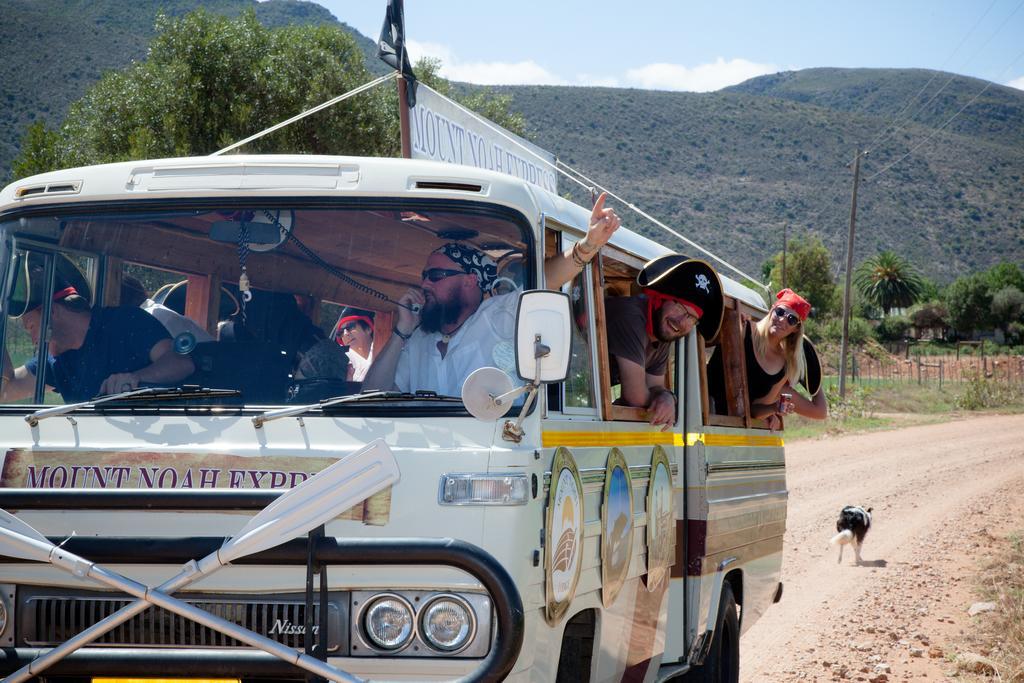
(889, 281)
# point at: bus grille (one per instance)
(47, 620)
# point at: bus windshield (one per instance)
(282, 303)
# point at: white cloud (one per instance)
(526, 72)
(1017, 83)
(701, 78)
(661, 76)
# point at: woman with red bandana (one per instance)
(776, 362)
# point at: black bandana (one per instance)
(473, 261)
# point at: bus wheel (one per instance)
(723, 662)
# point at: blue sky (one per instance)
(700, 46)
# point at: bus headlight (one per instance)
(447, 623)
(467, 488)
(388, 622)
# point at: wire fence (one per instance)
(872, 369)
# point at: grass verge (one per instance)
(999, 635)
(880, 405)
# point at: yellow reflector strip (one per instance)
(553, 439)
(166, 680)
(580, 438)
(741, 440)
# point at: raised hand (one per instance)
(603, 223)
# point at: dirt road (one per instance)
(939, 492)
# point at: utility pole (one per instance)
(849, 273)
(785, 236)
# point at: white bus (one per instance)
(555, 538)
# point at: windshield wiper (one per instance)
(163, 393)
(260, 420)
(269, 415)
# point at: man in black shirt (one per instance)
(91, 351)
(679, 294)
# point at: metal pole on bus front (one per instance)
(403, 118)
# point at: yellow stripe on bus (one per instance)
(553, 439)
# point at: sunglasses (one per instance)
(783, 314)
(438, 274)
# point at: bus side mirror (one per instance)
(543, 337)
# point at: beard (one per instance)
(436, 314)
(659, 327)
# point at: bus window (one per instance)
(578, 389)
(253, 281)
(725, 397)
(620, 297)
(34, 331)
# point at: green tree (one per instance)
(1007, 307)
(1003, 275)
(889, 281)
(860, 330)
(893, 328)
(41, 151)
(209, 81)
(969, 303)
(808, 273)
(929, 290)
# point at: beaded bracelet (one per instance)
(577, 259)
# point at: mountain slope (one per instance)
(52, 51)
(930, 98)
(729, 169)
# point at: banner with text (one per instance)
(442, 130)
(36, 469)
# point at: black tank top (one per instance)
(758, 381)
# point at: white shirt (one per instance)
(485, 339)
(175, 323)
(360, 365)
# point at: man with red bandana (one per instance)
(678, 295)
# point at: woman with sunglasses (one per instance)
(776, 363)
(354, 329)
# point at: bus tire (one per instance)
(723, 661)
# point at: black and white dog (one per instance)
(852, 525)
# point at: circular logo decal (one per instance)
(616, 527)
(661, 520)
(564, 538)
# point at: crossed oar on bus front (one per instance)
(330, 492)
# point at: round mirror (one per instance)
(480, 389)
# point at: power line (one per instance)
(948, 121)
(885, 132)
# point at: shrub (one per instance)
(893, 328)
(980, 392)
(856, 403)
(860, 330)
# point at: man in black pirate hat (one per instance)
(678, 295)
(91, 351)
